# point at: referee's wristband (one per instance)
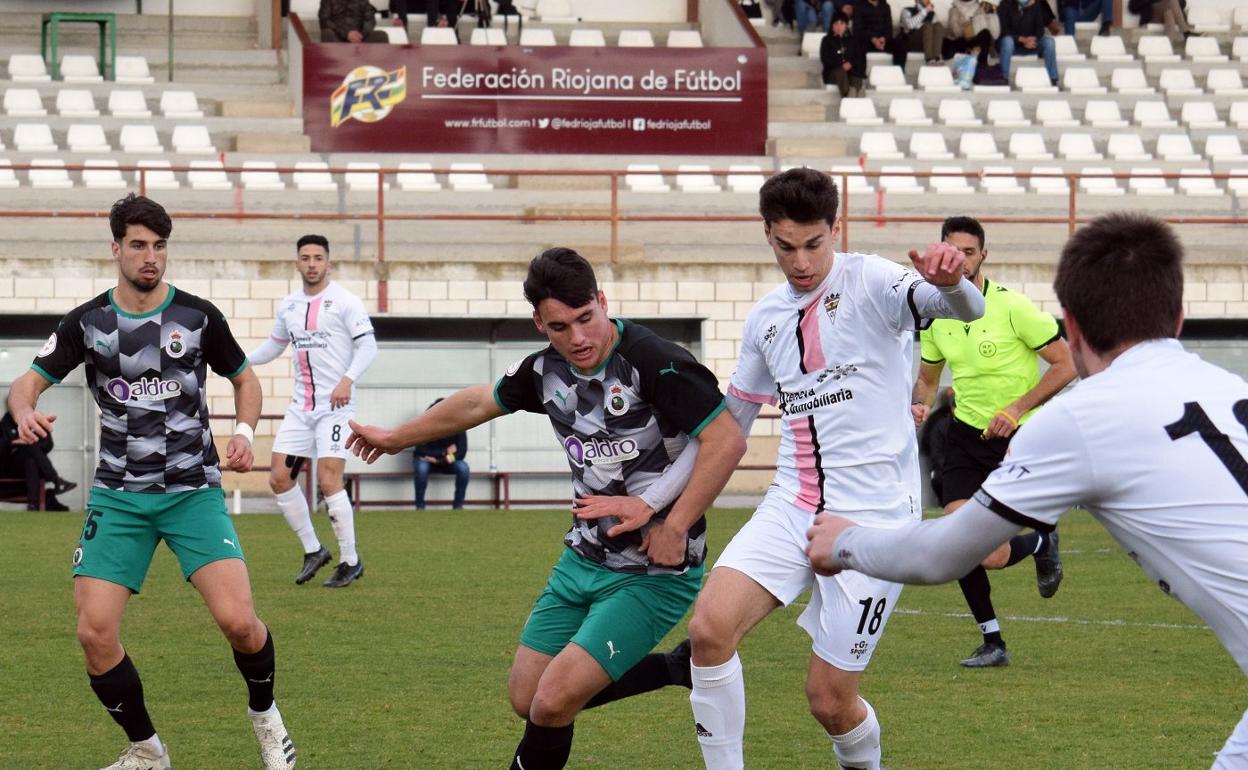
(1008, 416)
(246, 431)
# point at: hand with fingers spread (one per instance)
(33, 426)
(369, 442)
(632, 512)
(941, 264)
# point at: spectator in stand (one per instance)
(29, 463)
(1171, 12)
(873, 26)
(844, 61)
(1086, 10)
(444, 455)
(972, 28)
(810, 11)
(1024, 32)
(442, 13)
(919, 32)
(349, 21)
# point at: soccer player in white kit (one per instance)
(1152, 443)
(333, 342)
(832, 347)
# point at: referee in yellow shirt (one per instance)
(997, 384)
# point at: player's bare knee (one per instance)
(241, 629)
(551, 707)
(97, 641)
(833, 709)
(280, 484)
(330, 487)
(712, 639)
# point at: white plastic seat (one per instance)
(1239, 48)
(76, 103)
(1201, 115)
(1006, 113)
(929, 145)
(811, 43)
(1225, 81)
(1055, 112)
(1236, 184)
(28, 68)
(1178, 82)
(1129, 80)
(899, 180)
(1033, 80)
(180, 105)
(696, 178)
(1199, 182)
(1049, 180)
(469, 177)
(140, 138)
(1224, 148)
(438, 36)
(908, 112)
(1207, 19)
(1176, 147)
(417, 176)
(950, 185)
(1145, 185)
(745, 178)
(958, 113)
(1000, 185)
(855, 182)
(635, 38)
(1082, 80)
(1029, 146)
(645, 178)
(49, 173)
(156, 175)
(586, 38)
(88, 137)
(192, 140)
(313, 176)
(1109, 48)
(1077, 146)
(1156, 49)
(395, 35)
(1203, 49)
(8, 180)
(261, 175)
(362, 176)
(556, 11)
(23, 103)
(1067, 49)
(33, 137)
(1239, 114)
(102, 174)
(684, 38)
(1127, 147)
(1093, 185)
(208, 175)
(978, 145)
(1103, 113)
(1153, 114)
(878, 145)
(124, 103)
(859, 112)
(487, 36)
(888, 78)
(536, 38)
(78, 68)
(937, 79)
(132, 69)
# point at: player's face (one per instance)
(975, 256)
(140, 256)
(803, 251)
(313, 265)
(582, 335)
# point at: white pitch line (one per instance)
(1061, 619)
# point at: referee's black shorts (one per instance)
(967, 461)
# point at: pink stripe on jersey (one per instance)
(808, 492)
(753, 398)
(812, 344)
(309, 385)
(305, 376)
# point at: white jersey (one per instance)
(1154, 447)
(838, 361)
(322, 328)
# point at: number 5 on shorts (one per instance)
(90, 527)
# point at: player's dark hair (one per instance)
(315, 240)
(968, 225)
(801, 195)
(138, 210)
(1121, 277)
(563, 275)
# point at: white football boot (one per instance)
(277, 750)
(139, 757)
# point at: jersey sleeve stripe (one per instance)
(914, 309)
(932, 360)
(246, 363)
(1057, 336)
(753, 398)
(43, 373)
(1009, 514)
(714, 413)
(362, 334)
(498, 400)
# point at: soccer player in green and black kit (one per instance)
(997, 385)
(147, 348)
(624, 403)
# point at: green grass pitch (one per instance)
(408, 667)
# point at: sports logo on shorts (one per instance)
(367, 94)
(145, 389)
(48, 347)
(600, 451)
(616, 404)
(77, 556)
(175, 347)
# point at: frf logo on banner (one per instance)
(367, 94)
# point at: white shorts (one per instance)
(847, 612)
(314, 434)
(1234, 754)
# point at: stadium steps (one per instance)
(20, 31)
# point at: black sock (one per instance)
(121, 692)
(650, 673)
(978, 593)
(258, 669)
(543, 748)
(1022, 546)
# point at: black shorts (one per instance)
(968, 460)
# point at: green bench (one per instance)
(108, 26)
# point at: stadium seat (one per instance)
(878, 59)
(556, 11)
(1055, 112)
(1033, 80)
(1072, 146)
(438, 36)
(899, 180)
(469, 177)
(132, 69)
(645, 178)
(1239, 48)
(1127, 147)
(1103, 113)
(1200, 115)
(8, 180)
(1225, 82)
(208, 175)
(313, 176)
(28, 68)
(77, 68)
(1241, 17)
(745, 178)
(76, 103)
(929, 145)
(1130, 80)
(1103, 185)
(1208, 19)
(1178, 82)
(696, 178)
(1000, 185)
(950, 185)
(635, 38)
(1153, 114)
(908, 112)
(1049, 180)
(889, 79)
(1224, 148)
(362, 177)
(1067, 49)
(1176, 147)
(586, 38)
(179, 105)
(1006, 113)
(1199, 182)
(23, 103)
(878, 145)
(395, 35)
(123, 103)
(192, 140)
(140, 138)
(418, 176)
(978, 145)
(156, 175)
(1082, 80)
(1110, 48)
(102, 174)
(959, 113)
(1237, 183)
(937, 79)
(536, 38)
(1145, 185)
(487, 36)
(1156, 49)
(854, 181)
(859, 112)
(1239, 114)
(1203, 49)
(1029, 146)
(49, 173)
(87, 137)
(33, 137)
(261, 175)
(811, 41)
(684, 38)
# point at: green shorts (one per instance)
(616, 617)
(122, 530)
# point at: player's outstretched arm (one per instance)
(947, 293)
(32, 425)
(248, 400)
(458, 412)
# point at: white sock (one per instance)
(860, 747)
(270, 712)
(342, 518)
(718, 701)
(294, 506)
(153, 745)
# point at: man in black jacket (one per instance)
(844, 61)
(443, 455)
(25, 468)
(873, 26)
(1024, 26)
(349, 21)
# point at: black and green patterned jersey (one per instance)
(147, 374)
(621, 427)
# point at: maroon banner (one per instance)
(485, 99)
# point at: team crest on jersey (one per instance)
(987, 349)
(49, 347)
(616, 404)
(327, 304)
(511, 370)
(175, 347)
(770, 336)
(831, 303)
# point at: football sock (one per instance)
(978, 592)
(650, 673)
(121, 692)
(859, 749)
(294, 506)
(543, 748)
(1022, 546)
(718, 701)
(258, 669)
(342, 518)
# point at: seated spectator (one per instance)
(1171, 12)
(1024, 32)
(442, 13)
(349, 21)
(446, 456)
(26, 469)
(844, 61)
(810, 11)
(873, 26)
(972, 28)
(919, 32)
(1086, 10)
